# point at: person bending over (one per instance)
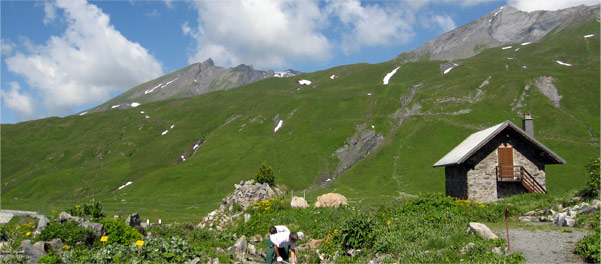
(282, 245)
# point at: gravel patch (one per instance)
(544, 246)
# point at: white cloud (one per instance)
(84, 65)
(21, 103)
(49, 11)
(372, 25)
(6, 47)
(442, 22)
(532, 5)
(262, 33)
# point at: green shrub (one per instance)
(592, 186)
(69, 232)
(357, 231)
(91, 209)
(589, 247)
(119, 232)
(265, 174)
(51, 257)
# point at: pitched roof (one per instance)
(477, 140)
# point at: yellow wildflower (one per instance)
(28, 233)
(77, 206)
(388, 222)
(67, 247)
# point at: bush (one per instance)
(92, 209)
(69, 232)
(265, 174)
(357, 231)
(119, 232)
(589, 247)
(592, 186)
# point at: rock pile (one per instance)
(245, 194)
(560, 215)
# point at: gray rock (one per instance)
(531, 213)
(196, 260)
(239, 248)
(529, 219)
(587, 210)
(64, 216)
(97, 228)
(246, 217)
(497, 250)
(32, 252)
(356, 147)
(42, 223)
(251, 250)
(56, 244)
(40, 245)
(467, 248)
(482, 230)
(545, 85)
(353, 252)
(133, 220)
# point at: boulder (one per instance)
(482, 230)
(587, 210)
(134, 220)
(331, 200)
(299, 202)
(251, 250)
(42, 223)
(467, 248)
(56, 244)
(40, 245)
(97, 228)
(529, 219)
(64, 216)
(33, 253)
(497, 250)
(239, 248)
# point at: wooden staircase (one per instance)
(519, 174)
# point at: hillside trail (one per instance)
(544, 246)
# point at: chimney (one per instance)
(528, 124)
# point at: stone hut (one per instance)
(496, 162)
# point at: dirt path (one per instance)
(544, 246)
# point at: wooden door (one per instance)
(506, 162)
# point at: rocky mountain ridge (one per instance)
(196, 79)
(505, 25)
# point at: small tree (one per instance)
(265, 174)
(592, 186)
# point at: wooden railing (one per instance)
(519, 174)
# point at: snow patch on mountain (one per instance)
(508, 47)
(134, 104)
(333, 76)
(114, 106)
(123, 186)
(160, 86)
(389, 75)
(280, 123)
(304, 82)
(526, 43)
(590, 35)
(83, 113)
(563, 63)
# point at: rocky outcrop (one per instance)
(97, 228)
(545, 85)
(247, 193)
(331, 200)
(33, 253)
(358, 146)
(196, 79)
(299, 202)
(7, 215)
(502, 26)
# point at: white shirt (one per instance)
(281, 228)
(282, 239)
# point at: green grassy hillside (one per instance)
(56, 162)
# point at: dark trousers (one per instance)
(270, 255)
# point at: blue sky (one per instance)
(60, 57)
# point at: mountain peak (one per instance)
(207, 63)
